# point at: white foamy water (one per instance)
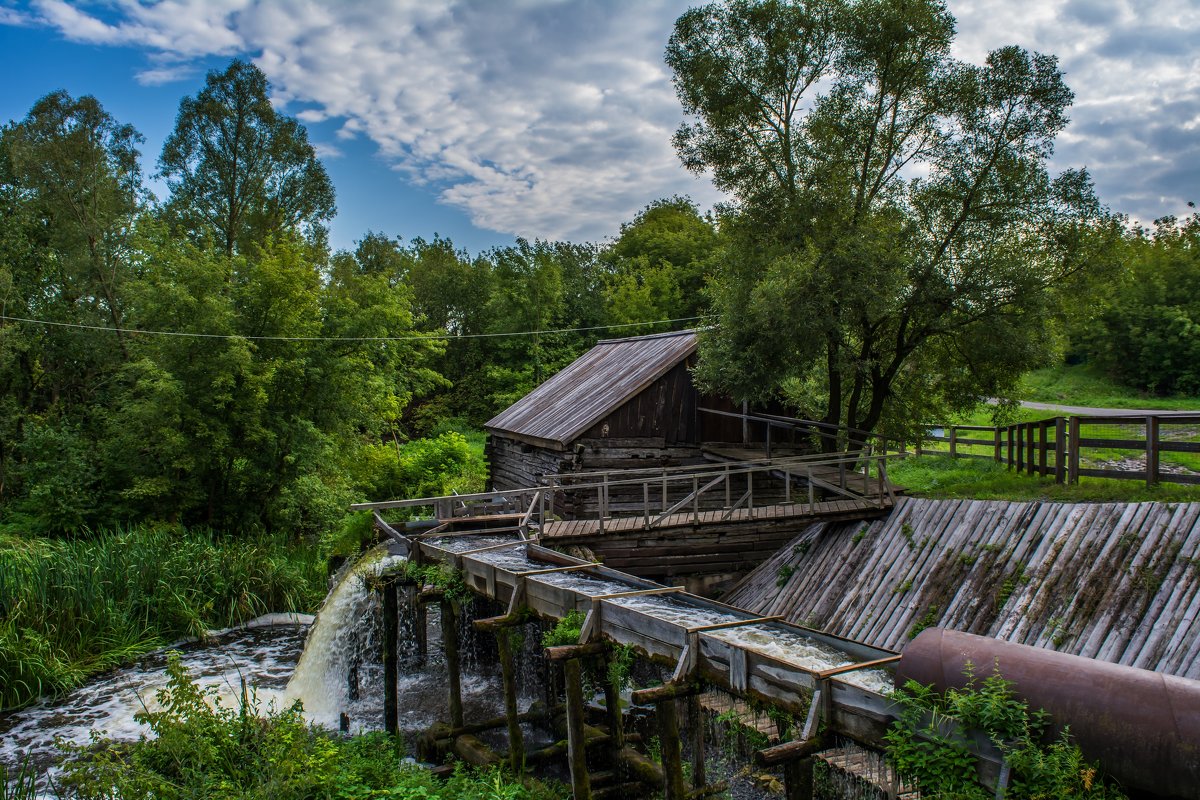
(263, 657)
(337, 641)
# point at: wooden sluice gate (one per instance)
(835, 685)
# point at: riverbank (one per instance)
(73, 608)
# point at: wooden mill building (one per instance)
(625, 403)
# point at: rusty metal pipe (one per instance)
(1142, 727)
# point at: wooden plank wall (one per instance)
(1114, 581)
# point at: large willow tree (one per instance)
(896, 241)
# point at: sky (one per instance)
(483, 120)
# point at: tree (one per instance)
(1146, 332)
(659, 264)
(895, 238)
(238, 168)
(70, 192)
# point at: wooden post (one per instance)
(612, 704)
(516, 742)
(696, 721)
(1030, 447)
(1020, 436)
(1073, 452)
(391, 672)
(450, 640)
(420, 628)
(798, 779)
(1009, 431)
(953, 442)
(672, 758)
(581, 787)
(1151, 450)
(696, 499)
(1043, 447)
(996, 433)
(646, 503)
(1060, 449)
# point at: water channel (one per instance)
(333, 666)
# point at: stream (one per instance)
(333, 666)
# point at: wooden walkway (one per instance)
(817, 512)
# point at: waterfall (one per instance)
(342, 634)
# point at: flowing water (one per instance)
(333, 666)
(263, 657)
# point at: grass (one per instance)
(979, 479)
(1082, 385)
(70, 609)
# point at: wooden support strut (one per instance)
(450, 641)
(576, 742)
(516, 742)
(672, 758)
(391, 672)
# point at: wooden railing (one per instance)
(664, 493)
(668, 491)
(1118, 447)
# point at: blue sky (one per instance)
(484, 120)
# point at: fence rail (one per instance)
(1117, 447)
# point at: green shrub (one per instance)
(928, 745)
(201, 749)
(565, 631)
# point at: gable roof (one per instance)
(592, 386)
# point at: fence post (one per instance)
(1031, 441)
(996, 435)
(953, 442)
(1151, 450)
(1009, 431)
(1060, 443)
(1043, 446)
(1073, 452)
(1020, 437)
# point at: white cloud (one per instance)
(1134, 66)
(553, 119)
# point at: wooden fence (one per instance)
(1119, 447)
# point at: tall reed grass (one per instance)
(72, 608)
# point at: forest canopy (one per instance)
(300, 372)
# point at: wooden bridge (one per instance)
(706, 523)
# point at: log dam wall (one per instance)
(1114, 581)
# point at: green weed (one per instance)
(72, 608)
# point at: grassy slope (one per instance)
(1082, 385)
(941, 476)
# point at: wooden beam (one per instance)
(733, 624)
(391, 671)
(516, 741)
(668, 691)
(788, 751)
(581, 787)
(672, 757)
(450, 643)
(698, 728)
(565, 652)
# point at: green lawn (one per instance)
(979, 479)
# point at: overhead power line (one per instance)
(410, 338)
